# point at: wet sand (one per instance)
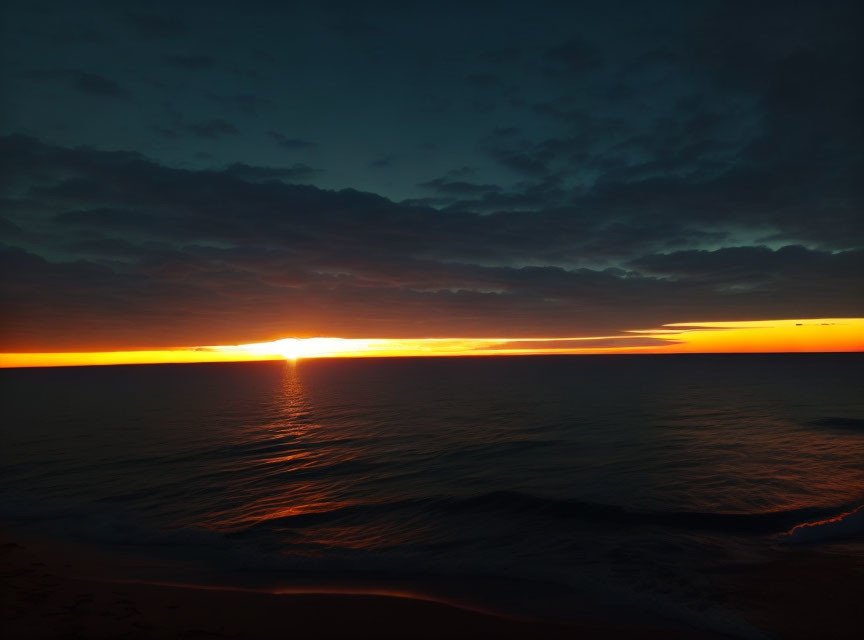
(55, 589)
(807, 593)
(45, 595)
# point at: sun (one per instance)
(291, 348)
(294, 348)
(297, 348)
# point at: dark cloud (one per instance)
(519, 156)
(245, 103)
(79, 35)
(112, 249)
(97, 85)
(293, 173)
(192, 62)
(462, 172)
(750, 266)
(166, 132)
(80, 81)
(290, 143)
(382, 163)
(154, 26)
(484, 80)
(614, 166)
(212, 129)
(459, 187)
(575, 55)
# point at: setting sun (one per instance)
(763, 336)
(294, 348)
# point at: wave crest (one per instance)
(845, 525)
(510, 504)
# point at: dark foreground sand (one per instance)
(809, 594)
(51, 590)
(47, 591)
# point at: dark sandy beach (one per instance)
(807, 594)
(61, 590)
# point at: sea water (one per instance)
(559, 487)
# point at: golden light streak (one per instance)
(764, 336)
(293, 348)
(770, 336)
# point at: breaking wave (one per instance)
(517, 504)
(843, 526)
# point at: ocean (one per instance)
(555, 487)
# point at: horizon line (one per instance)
(809, 335)
(430, 355)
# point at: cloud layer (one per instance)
(110, 249)
(182, 174)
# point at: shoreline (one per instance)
(52, 588)
(44, 595)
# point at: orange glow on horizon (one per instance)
(763, 336)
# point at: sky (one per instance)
(223, 173)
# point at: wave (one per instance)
(844, 526)
(804, 525)
(514, 503)
(847, 424)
